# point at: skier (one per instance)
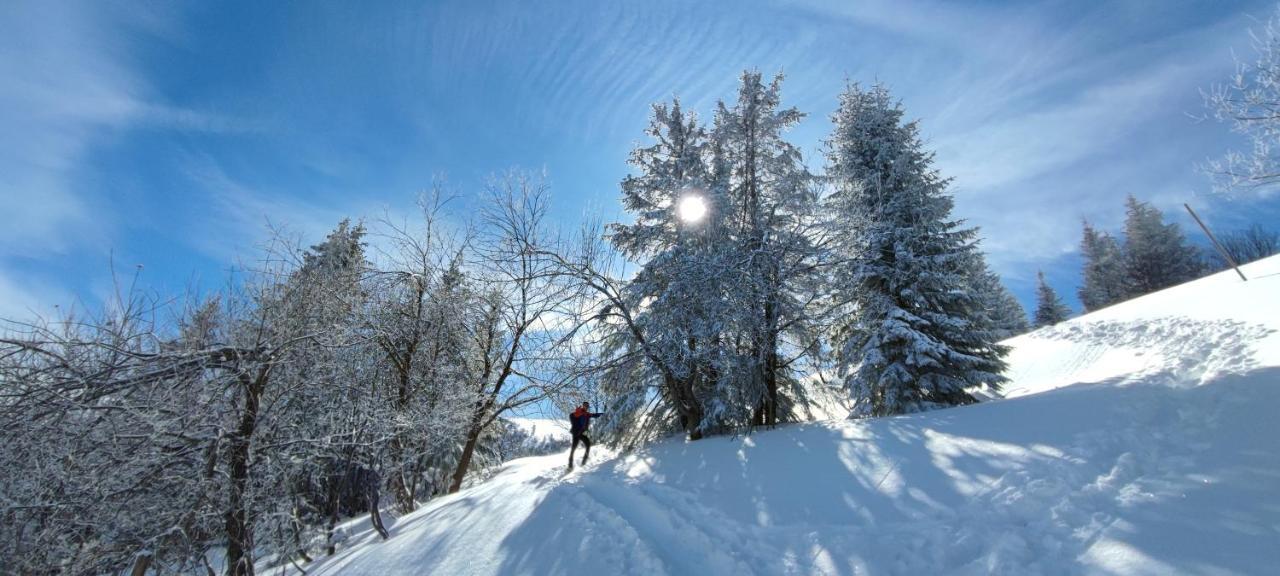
(579, 422)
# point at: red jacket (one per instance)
(580, 420)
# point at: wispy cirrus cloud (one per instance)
(23, 297)
(72, 85)
(1044, 114)
(235, 220)
(63, 89)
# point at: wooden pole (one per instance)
(1221, 251)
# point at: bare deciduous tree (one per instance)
(518, 309)
(1250, 102)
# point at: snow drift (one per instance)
(1140, 439)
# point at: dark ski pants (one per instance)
(580, 437)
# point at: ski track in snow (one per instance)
(1137, 440)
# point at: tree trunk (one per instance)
(769, 364)
(239, 532)
(331, 546)
(770, 368)
(401, 489)
(141, 564)
(686, 404)
(473, 438)
(297, 535)
(695, 421)
(771, 405)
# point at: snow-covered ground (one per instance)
(1141, 439)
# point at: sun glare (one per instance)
(692, 209)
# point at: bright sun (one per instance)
(692, 209)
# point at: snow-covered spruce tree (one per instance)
(705, 321)
(678, 297)
(1156, 255)
(321, 437)
(1003, 313)
(915, 340)
(1105, 281)
(1049, 307)
(770, 203)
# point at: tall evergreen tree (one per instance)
(680, 291)
(673, 167)
(719, 300)
(1049, 307)
(1105, 279)
(768, 197)
(1004, 313)
(917, 338)
(1156, 254)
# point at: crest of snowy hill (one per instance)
(1141, 439)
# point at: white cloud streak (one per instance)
(1044, 117)
(62, 89)
(69, 85)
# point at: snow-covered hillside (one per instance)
(1141, 439)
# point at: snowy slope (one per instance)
(1191, 333)
(1137, 440)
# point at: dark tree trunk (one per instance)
(769, 341)
(695, 421)
(770, 367)
(403, 490)
(239, 531)
(399, 487)
(141, 564)
(687, 406)
(464, 461)
(473, 439)
(488, 404)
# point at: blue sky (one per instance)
(166, 134)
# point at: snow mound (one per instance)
(1140, 439)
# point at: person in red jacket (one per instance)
(579, 423)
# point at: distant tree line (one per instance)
(1153, 255)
